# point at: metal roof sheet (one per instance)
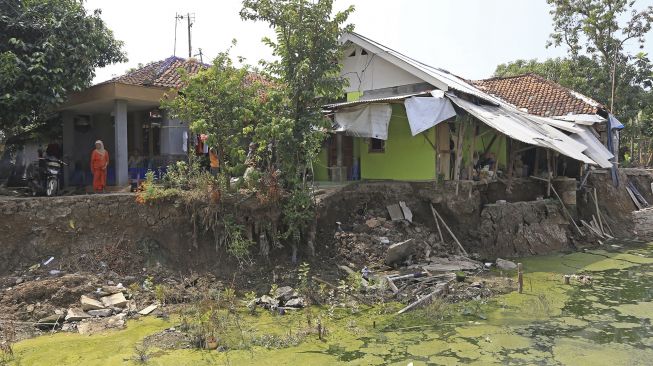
(393, 98)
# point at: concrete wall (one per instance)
(367, 72)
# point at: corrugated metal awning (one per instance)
(520, 127)
(394, 98)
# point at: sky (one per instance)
(467, 37)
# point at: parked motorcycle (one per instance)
(44, 175)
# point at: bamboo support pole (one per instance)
(598, 212)
(435, 213)
(472, 149)
(511, 164)
(548, 173)
(459, 153)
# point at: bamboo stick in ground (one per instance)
(598, 212)
(520, 277)
(437, 224)
(435, 212)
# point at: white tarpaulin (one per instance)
(426, 112)
(368, 120)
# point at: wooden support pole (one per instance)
(536, 168)
(520, 277)
(437, 224)
(437, 154)
(459, 152)
(511, 164)
(496, 163)
(548, 171)
(472, 149)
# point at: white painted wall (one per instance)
(369, 72)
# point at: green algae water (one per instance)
(606, 323)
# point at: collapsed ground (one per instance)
(105, 244)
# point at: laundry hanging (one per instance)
(426, 112)
(370, 120)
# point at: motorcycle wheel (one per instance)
(51, 187)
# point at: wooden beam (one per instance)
(472, 149)
(459, 152)
(511, 164)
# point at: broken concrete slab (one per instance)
(297, 302)
(506, 264)
(149, 309)
(284, 293)
(267, 301)
(76, 314)
(408, 214)
(399, 251)
(102, 313)
(396, 214)
(89, 303)
(115, 300)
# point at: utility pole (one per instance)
(201, 55)
(190, 18)
(190, 24)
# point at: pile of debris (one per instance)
(106, 308)
(380, 237)
(284, 298)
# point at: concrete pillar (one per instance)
(120, 133)
(68, 145)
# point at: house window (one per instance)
(377, 145)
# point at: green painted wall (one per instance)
(482, 141)
(354, 96)
(405, 157)
(320, 167)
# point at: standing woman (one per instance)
(99, 163)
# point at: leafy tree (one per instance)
(307, 55)
(48, 48)
(595, 28)
(226, 103)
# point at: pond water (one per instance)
(606, 323)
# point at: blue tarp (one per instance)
(613, 124)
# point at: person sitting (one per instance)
(487, 160)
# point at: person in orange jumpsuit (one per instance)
(99, 163)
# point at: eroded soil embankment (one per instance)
(88, 231)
